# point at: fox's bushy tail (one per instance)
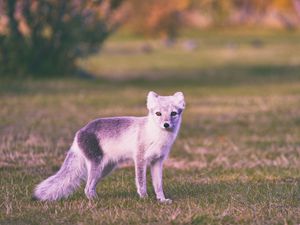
(64, 182)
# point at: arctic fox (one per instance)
(99, 146)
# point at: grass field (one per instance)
(236, 160)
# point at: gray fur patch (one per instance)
(89, 145)
(108, 127)
(107, 169)
(89, 137)
(141, 167)
(155, 159)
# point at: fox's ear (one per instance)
(151, 100)
(179, 100)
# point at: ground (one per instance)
(237, 157)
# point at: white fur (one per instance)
(151, 99)
(65, 181)
(123, 147)
(179, 99)
(146, 141)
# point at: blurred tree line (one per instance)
(156, 17)
(47, 36)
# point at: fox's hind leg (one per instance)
(90, 147)
(96, 171)
(93, 177)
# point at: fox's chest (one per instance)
(159, 146)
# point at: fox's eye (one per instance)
(158, 113)
(173, 113)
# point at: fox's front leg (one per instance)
(156, 173)
(140, 177)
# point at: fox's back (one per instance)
(116, 136)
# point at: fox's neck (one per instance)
(157, 140)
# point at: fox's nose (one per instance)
(166, 125)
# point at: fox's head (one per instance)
(166, 111)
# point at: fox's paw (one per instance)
(144, 195)
(91, 194)
(165, 200)
(142, 192)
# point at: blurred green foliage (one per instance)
(45, 37)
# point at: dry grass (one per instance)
(236, 160)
